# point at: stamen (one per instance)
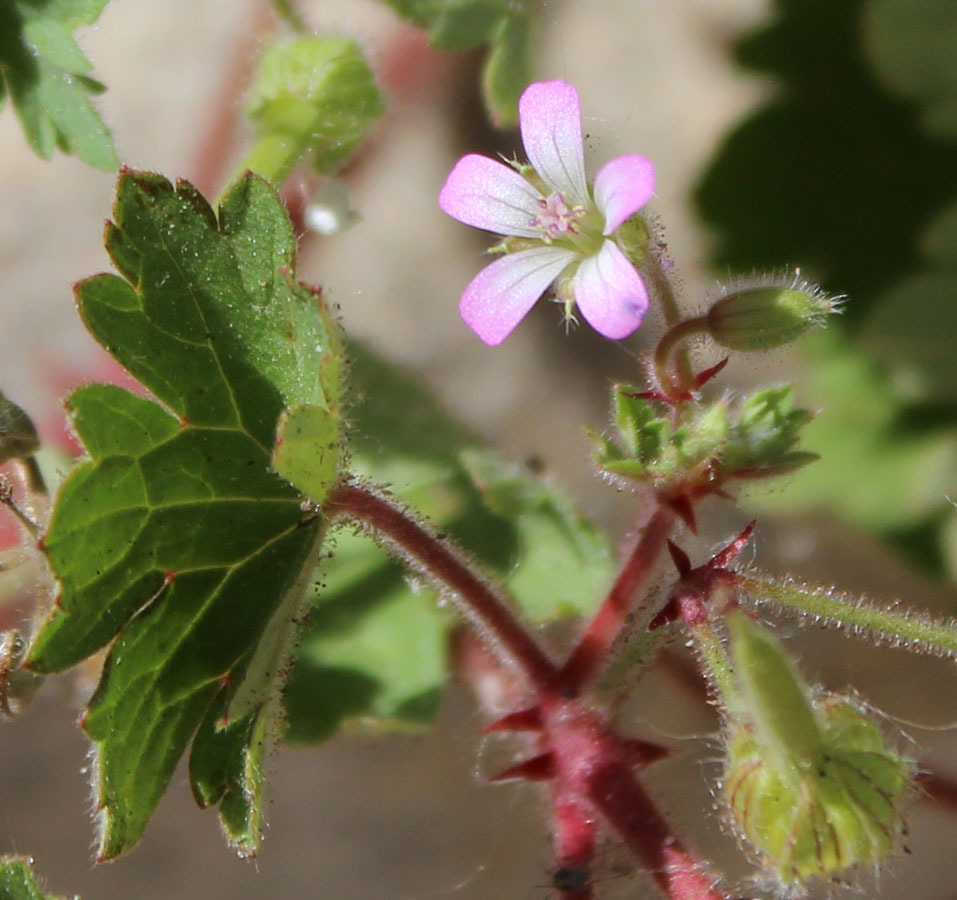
(557, 218)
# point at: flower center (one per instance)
(556, 218)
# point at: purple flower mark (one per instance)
(557, 227)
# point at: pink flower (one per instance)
(558, 228)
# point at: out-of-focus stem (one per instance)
(216, 147)
(629, 810)
(272, 157)
(484, 609)
(574, 843)
(593, 649)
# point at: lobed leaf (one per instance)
(45, 73)
(176, 543)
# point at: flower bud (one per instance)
(313, 96)
(810, 782)
(761, 317)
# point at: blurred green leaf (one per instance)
(175, 544)
(870, 472)
(850, 171)
(502, 25)
(351, 668)
(508, 68)
(45, 73)
(913, 47)
(832, 174)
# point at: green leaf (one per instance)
(175, 541)
(503, 25)
(312, 97)
(908, 328)
(17, 881)
(508, 69)
(869, 472)
(463, 24)
(44, 71)
(376, 644)
(913, 46)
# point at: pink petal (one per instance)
(551, 123)
(610, 293)
(490, 195)
(500, 296)
(622, 187)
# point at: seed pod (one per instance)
(811, 784)
(761, 317)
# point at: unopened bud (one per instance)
(315, 96)
(761, 317)
(810, 782)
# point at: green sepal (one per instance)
(765, 433)
(755, 437)
(810, 781)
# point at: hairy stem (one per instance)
(413, 543)
(630, 811)
(669, 341)
(716, 664)
(900, 627)
(668, 303)
(592, 652)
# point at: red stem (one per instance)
(630, 811)
(574, 843)
(940, 789)
(216, 147)
(487, 611)
(603, 630)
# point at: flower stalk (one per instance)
(594, 647)
(902, 628)
(482, 606)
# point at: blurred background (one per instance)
(801, 133)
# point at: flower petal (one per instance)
(500, 296)
(610, 293)
(622, 187)
(488, 194)
(550, 119)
